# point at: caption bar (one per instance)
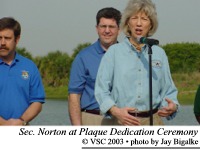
(110, 137)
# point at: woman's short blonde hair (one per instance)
(135, 6)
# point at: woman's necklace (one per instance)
(136, 45)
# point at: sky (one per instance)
(50, 25)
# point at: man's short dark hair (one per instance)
(10, 23)
(109, 12)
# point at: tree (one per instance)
(24, 52)
(54, 68)
(78, 49)
(183, 57)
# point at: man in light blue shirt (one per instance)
(122, 83)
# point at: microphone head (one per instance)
(139, 39)
(144, 40)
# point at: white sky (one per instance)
(50, 25)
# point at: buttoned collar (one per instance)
(16, 59)
(98, 48)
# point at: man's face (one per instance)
(8, 44)
(108, 31)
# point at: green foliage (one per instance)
(77, 50)
(187, 84)
(183, 57)
(54, 68)
(56, 92)
(24, 52)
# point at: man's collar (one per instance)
(99, 48)
(16, 59)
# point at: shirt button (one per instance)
(139, 83)
(139, 70)
(138, 96)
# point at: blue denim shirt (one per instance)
(123, 78)
(83, 75)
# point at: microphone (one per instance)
(150, 42)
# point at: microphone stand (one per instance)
(150, 43)
(150, 84)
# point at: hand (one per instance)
(123, 117)
(168, 110)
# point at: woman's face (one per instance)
(139, 25)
